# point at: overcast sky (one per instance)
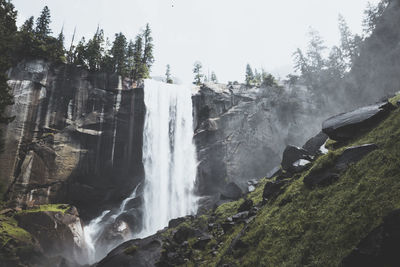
(224, 35)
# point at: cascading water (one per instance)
(169, 155)
(169, 158)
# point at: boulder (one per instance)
(348, 125)
(241, 216)
(293, 154)
(273, 189)
(183, 234)
(175, 222)
(231, 191)
(202, 241)
(60, 233)
(354, 154)
(246, 205)
(380, 247)
(314, 144)
(138, 252)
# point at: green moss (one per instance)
(48, 207)
(394, 100)
(131, 250)
(9, 230)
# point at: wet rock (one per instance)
(246, 205)
(58, 233)
(314, 144)
(380, 247)
(202, 242)
(227, 226)
(354, 154)
(175, 222)
(241, 216)
(138, 252)
(348, 125)
(183, 234)
(274, 172)
(293, 154)
(273, 189)
(253, 211)
(251, 185)
(300, 165)
(231, 191)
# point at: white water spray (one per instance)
(169, 155)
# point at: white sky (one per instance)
(224, 35)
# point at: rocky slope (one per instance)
(337, 206)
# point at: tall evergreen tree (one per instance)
(197, 71)
(94, 50)
(43, 24)
(119, 54)
(130, 58)
(148, 58)
(139, 71)
(249, 78)
(168, 74)
(80, 53)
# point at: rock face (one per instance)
(380, 247)
(349, 125)
(241, 132)
(76, 138)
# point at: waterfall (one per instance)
(169, 155)
(169, 158)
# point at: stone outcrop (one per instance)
(76, 138)
(241, 132)
(348, 125)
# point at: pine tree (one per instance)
(43, 24)
(28, 25)
(148, 58)
(130, 58)
(349, 43)
(59, 47)
(94, 50)
(197, 73)
(119, 54)
(214, 77)
(168, 74)
(249, 75)
(139, 71)
(80, 53)
(26, 42)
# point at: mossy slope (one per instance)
(318, 227)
